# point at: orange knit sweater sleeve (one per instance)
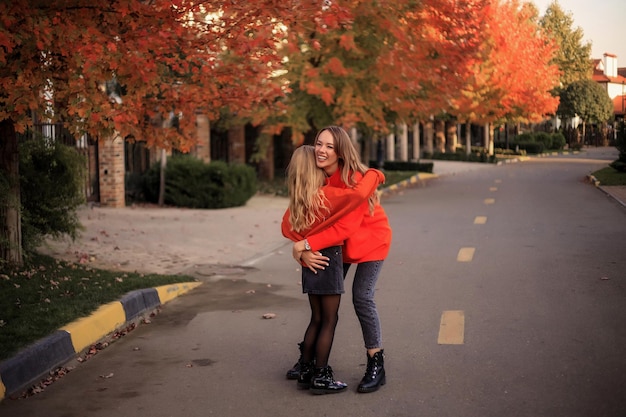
(342, 201)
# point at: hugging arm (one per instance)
(343, 202)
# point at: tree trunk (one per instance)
(404, 142)
(162, 177)
(468, 138)
(390, 154)
(451, 136)
(506, 135)
(428, 137)
(10, 220)
(266, 164)
(416, 142)
(440, 136)
(584, 134)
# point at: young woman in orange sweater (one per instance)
(311, 208)
(367, 247)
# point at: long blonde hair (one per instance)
(307, 202)
(349, 159)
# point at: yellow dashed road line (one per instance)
(452, 328)
(480, 220)
(489, 200)
(465, 255)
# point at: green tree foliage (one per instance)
(587, 100)
(573, 56)
(51, 183)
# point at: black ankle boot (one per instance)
(305, 375)
(324, 383)
(374, 374)
(294, 372)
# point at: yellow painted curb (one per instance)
(426, 175)
(167, 292)
(90, 329)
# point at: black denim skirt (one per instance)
(326, 281)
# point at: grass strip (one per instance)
(610, 176)
(47, 293)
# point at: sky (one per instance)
(603, 23)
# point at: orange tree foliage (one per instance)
(301, 64)
(170, 56)
(391, 61)
(511, 77)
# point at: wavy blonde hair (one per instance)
(307, 202)
(349, 159)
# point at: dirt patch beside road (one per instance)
(171, 240)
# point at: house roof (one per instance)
(600, 77)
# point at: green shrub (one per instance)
(620, 144)
(460, 155)
(530, 147)
(545, 138)
(51, 181)
(500, 150)
(558, 141)
(550, 141)
(189, 182)
(524, 137)
(134, 187)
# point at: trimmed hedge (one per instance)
(536, 142)
(192, 183)
(620, 143)
(460, 155)
(405, 166)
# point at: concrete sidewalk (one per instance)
(198, 243)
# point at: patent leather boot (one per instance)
(323, 382)
(294, 372)
(374, 374)
(306, 374)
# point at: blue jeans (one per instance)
(363, 289)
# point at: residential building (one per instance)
(613, 79)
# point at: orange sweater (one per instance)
(346, 207)
(370, 238)
(366, 237)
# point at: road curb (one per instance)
(417, 179)
(34, 362)
(618, 197)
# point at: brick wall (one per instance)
(111, 171)
(202, 150)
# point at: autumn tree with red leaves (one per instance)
(297, 64)
(512, 76)
(169, 57)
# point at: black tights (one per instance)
(318, 338)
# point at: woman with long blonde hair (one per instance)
(313, 207)
(368, 247)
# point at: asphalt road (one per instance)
(504, 295)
